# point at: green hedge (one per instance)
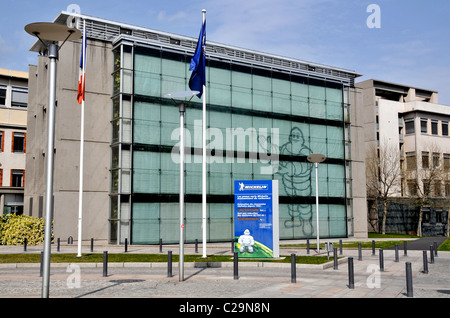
(15, 228)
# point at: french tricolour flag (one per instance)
(82, 75)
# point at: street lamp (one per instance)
(50, 34)
(182, 108)
(317, 158)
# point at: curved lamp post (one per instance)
(317, 158)
(50, 34)
(181, 96)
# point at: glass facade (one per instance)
(262, 124)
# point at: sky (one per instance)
(400, 41)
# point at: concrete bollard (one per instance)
(293, 269)
(409, 283)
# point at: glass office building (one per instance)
(265, 115)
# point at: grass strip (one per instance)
(150, 258)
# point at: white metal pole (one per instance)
(53, 56)
(204, 165)
(80, 191)
(182, 107)
(316, 164)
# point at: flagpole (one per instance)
(80, 193)
(204, 163)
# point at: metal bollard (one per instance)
(41, 270)
(105, 263)
(335, 258)
(293, 269)
(235, 266)
(351, 278)
(58, 244)
(381, 260)
(160, 245)
(340, 247)
(425, 262)
(435, 249)
(232, 245)
(373, 247)
(307, 246)
(126, 245)
(169, 264)
(196, 246)
(405, 249)
(359, 252)
(431, 255)
(25, 244)
(396, 253)
(92, 244)
(409, 283)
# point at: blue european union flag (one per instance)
(197, 66)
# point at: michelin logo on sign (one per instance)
(243, 187)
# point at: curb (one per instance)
(175, 264)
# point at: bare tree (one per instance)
(425, 181)
(383, 175)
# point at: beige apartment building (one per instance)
(13, 132)
(411, 119)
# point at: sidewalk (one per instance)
(257, 280)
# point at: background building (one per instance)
(13, 135)
(131, 169)
(411, 120)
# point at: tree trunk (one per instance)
(448, 222)
(420, 218)
(383, 229)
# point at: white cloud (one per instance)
(162, 16)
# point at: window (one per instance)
(409, 126)
(436, 159)
(17, 178)
(2, 138)
(411, 185)
(439, 216)
(425, 160)
(445, 128)
(410, 160)
(434, 127)
(2, 95)
(437, 188)
(18, 142)
(447, 189)
(19, 97)
(424, 125)
(446, 161)
(426, 187)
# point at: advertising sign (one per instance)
(256, 226)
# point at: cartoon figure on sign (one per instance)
(296, 180)
(246, 241)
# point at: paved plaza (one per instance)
(256, 281)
